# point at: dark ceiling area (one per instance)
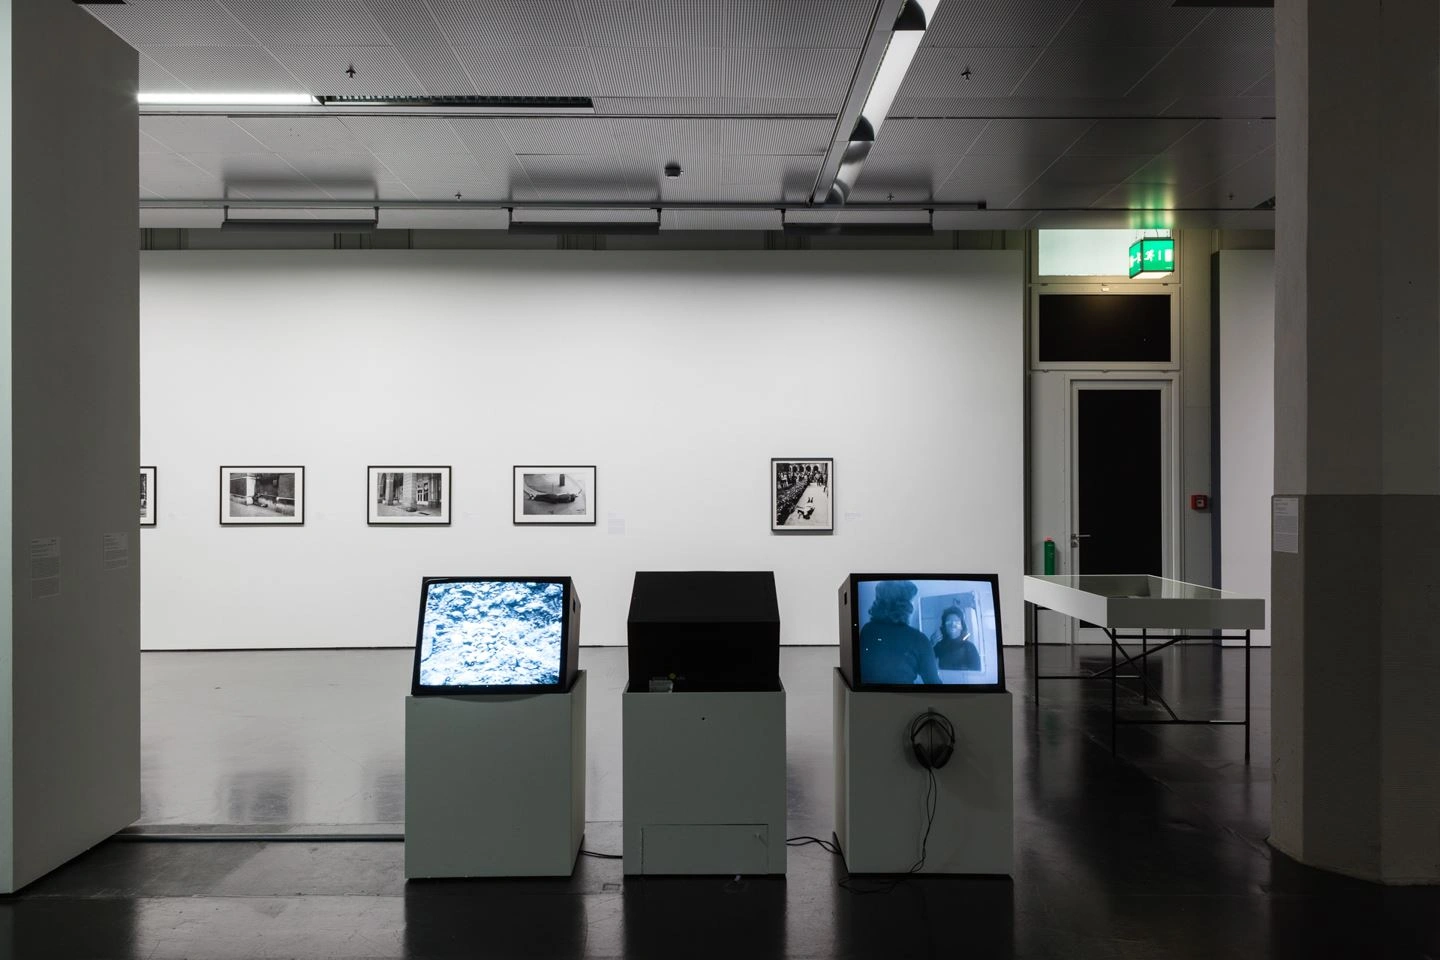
(1014, 113)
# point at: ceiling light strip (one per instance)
(226, 99)
(900, 49)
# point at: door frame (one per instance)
(1169, 386)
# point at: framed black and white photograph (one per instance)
(262, 496)
(407, 496)
(555, 495)
(802, 495)
(147, 496)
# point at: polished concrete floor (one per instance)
(1157, 852)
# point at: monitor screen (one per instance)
(927, 631)
(490, 633)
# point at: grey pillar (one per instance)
(69, 436)
(1356, 611)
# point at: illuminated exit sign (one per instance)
(1152, 257)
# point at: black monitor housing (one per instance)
(852, 617)
(704, 631)
(569, 642)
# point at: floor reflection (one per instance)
(1156, 852)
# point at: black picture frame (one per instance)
(526, 497)
(150, 500)
(447, 496)
(297, 519)
(778, 523)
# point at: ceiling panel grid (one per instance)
(419, 41)
(625, 23)
(526, 23)
(1043, 103)
(310, 23)
(1000, 23)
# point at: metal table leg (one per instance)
(1035, 653)
(1145, 666)
(1247, 697)
(1114, 688)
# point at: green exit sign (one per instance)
(1152, 257)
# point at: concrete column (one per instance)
(249, 488)
(1356, 612)
(407, 492)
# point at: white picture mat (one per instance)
(678, 375)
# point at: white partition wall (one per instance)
(69, 437)
(1247, 421)
(677, 375)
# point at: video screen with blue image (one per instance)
(928, 632)
(477, 633)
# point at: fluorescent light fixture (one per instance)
(895, 62)
(358, 221)
(893, 66)
(227, 99)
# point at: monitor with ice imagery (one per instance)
(924, 631)
(496, 635)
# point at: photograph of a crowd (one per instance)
(802, 495)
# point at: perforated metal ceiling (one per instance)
(1024, 105)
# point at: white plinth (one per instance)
(880, 787)
(704, 782)
(495, 785)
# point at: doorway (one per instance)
(1120, 469)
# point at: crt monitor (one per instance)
(496, 635)
(921, 631)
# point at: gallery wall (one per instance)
(678, 375)
(1247, 421)
(70, 633)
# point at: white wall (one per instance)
(679, 375)
(69, 664)
(1247, 421)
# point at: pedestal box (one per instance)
(495, 784)
(880, 787)
(704, 782)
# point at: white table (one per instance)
(1116, 602)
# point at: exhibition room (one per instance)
(729, 478)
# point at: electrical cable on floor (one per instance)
(932, 801)
(860, 886)
(602, 856)
(827, 845)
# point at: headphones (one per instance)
(932, 737)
